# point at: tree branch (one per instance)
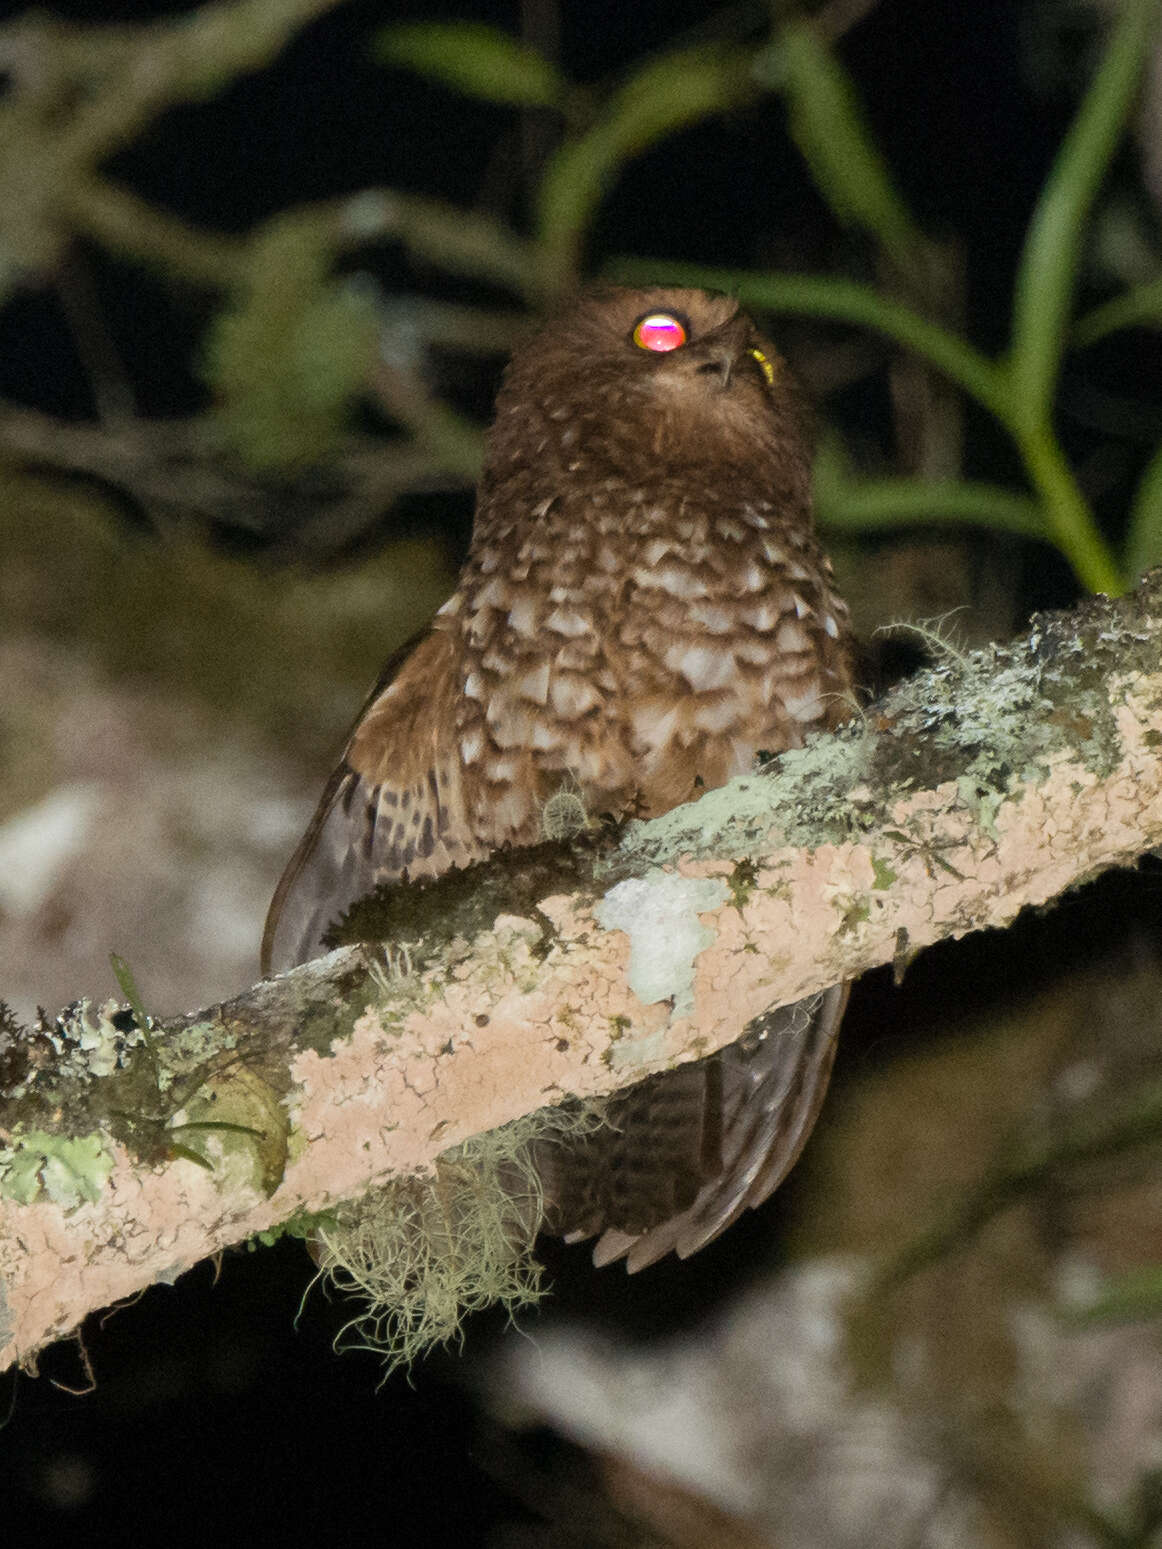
(990, 782)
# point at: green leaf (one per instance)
(187, 1153)
(1144, 538)
(1128, 1298)
(475, 59)
(128, 987)
(827, 122)
(670, 92)
(1139, 307)
(1048, 268)
(847, 503)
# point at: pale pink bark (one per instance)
(496, 1029)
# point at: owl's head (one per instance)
(630, 383)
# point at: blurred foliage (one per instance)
(292, 350)
(1028, 1136)
(679, 86)
(275, 651)
(1127, 1298)
(476, 59)
(829, 128)
(667, 94)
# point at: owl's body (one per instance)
(644, 610)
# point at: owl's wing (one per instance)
(394, 804)
(684, 1153)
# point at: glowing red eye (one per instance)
(659, 331)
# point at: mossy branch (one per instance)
(991, 782)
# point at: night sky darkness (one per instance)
(214, 1413)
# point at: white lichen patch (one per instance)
(659, 913)
(100, 1035)
(70, 1170)
(89, 1040)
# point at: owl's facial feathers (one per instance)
(639, 383)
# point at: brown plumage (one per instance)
(643, 610)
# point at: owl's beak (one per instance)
(719, 353)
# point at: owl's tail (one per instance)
(684, 1153)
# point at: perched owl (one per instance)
(644, 609)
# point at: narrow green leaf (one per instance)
(844, 501)
(128, 987)
(1139, 307)
(878, 505)
(188, 1154)
(1068, 518)
(475, 59)
(1049, 263)
(829, 127)
(1144, 538)
(218, 1126)
(670, 92)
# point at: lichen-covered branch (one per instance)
(129, 1149)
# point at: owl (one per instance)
(644, 610)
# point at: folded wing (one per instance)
(394, 805)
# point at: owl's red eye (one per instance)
(659, 331)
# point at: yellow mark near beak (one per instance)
(764, 365)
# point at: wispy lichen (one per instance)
(424, 1252)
